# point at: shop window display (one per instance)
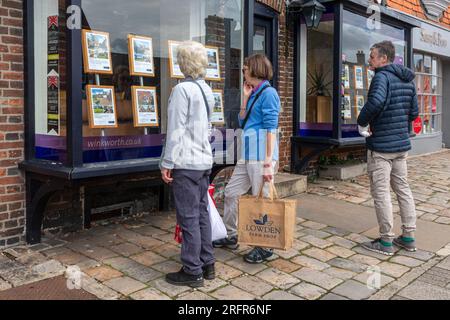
(358, 38)
(129, 71)
(429, 93)
(316, 118)
(144, 68)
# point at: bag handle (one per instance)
(204, 97)
(244, 123)
(272, 191)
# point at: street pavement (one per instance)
(127, 259)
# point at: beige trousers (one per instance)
(390, 170)
(246, 175)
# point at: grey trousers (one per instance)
(190, 190)
(246, 175)
(390, 170)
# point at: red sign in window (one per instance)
(433, 104)
(417, 125)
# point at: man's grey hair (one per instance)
(385, 48)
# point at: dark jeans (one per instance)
(190, 190)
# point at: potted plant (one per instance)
(319, 96)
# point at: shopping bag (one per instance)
(266, 222)
(218, 230)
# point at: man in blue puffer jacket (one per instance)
(391, 106)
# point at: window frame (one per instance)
(360, 8)
(439, 96)
(74, 168)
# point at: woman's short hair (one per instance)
(192, 59)
(259, 67)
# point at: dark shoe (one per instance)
(209, 272)
(230, 243)
(258, 255)
(378, 247)
(181, 278)
(407, 245)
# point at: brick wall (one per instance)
(278, 5)
(415, 8)
(12, 189)
(285, 81)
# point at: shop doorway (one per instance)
(265, 35)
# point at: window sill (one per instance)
(359, 141)
(57, 170)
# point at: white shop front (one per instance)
(431, 62)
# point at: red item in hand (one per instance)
(212, 190)
(178, 234)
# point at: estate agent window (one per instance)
(129, 69)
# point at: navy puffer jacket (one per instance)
(391, 106)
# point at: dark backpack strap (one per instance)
(204, 97)
(244, 123)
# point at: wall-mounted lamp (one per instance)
(311, 10)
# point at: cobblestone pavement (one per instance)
(429, 178)
(127, 259)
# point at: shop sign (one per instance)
(417, 125)
(53, 82)
(432, 39)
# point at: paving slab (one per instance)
(354, 290)
(419, 290)
(281, 295)
(335, 213)
(430, 236)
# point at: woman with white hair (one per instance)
(186, 165)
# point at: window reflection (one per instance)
(215, 23)
(316, 81)
(357, 41)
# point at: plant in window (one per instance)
(319, 97)
(319, 84)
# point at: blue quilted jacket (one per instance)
(391, 106)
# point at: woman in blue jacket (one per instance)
(259, 153)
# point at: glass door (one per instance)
(265, 35)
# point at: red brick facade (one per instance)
(286, 77)
(414, 7)
(12, 189)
